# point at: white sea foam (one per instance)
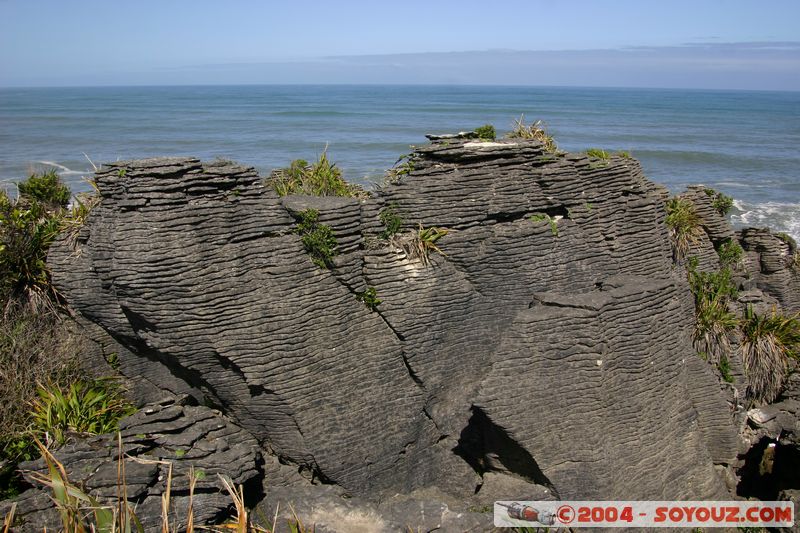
(779, 216)
(62, 170)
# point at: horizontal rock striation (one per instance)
(547, 342)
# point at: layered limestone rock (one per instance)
(547, 343)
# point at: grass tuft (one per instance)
(730, 254)
(392, 222)
(722, 203)
(318, 239)
(714, 321)
(598, 153)
(768, 344)
(486, 132)
(322, 178)
(536, 131)
(684, 225)
(421, 243)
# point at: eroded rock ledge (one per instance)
(545, 356)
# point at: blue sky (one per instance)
(646, 43)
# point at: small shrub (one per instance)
(93, 407)
(684, 225)
(730, 254)
(28, 226)
(486, 133)
(47, 189)
(392, 222)
(624, 154)
(722, 203)
(322, 178)
(713, 319)
(768, 343)
(369, 297)
(598, 153)
(422, 243)
(318, 239)
(536, 131)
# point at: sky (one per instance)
(721, 44)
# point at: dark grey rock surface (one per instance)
(156, 442)
(545, 350)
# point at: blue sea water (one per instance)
(746, 144)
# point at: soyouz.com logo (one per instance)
(705, 514)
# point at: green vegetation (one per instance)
(721, 202)
(392, 222)
(44, 393)
(369, 297)
(322, 178)
(724, 368)
(318, 239)
(402, 167)
(598, 153)
(768, 343)
(92, 407)
(486, 132)
(422, 243)
(543, 217)
(624, 154)
(684, 225)
(788, 240)
(536, 131)
(730, 254)
(46, 189)
(714, 321)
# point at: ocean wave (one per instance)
(778, 216)
(62, 170)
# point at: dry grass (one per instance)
(419, 244)
(34, 349)
(82, 513)
(536, 131)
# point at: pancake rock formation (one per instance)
(541, 348)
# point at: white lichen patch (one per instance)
(486, 144)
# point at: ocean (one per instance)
(745, 144)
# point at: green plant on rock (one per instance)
(769, 342)
(47, 189)
(92, 407)
(392, 222)
(684, 225)
(722, 203)
(730, 254)
(714, 321)
(28, 226)
(405, 165)
(544, 217)
(422, 243)
(486, 132)
(598, 153)
(724, 368)
(321, 178)
(369, 297)
(318, 239)
(536, 131)
(624, 154)
(788, 240)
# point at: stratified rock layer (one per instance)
(548, 342)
